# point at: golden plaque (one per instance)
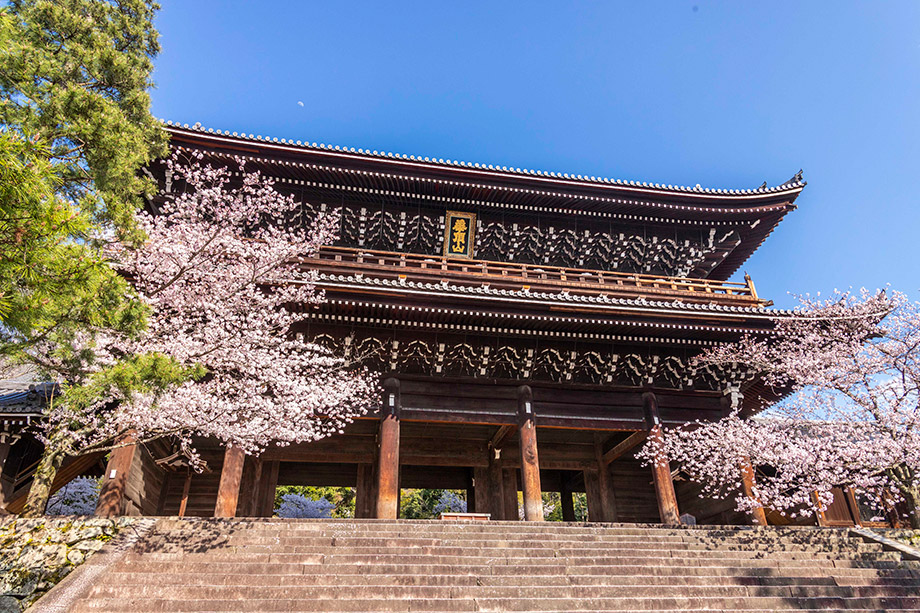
(459, 232)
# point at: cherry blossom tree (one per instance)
(222, 276)
(852, 363)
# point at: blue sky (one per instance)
(725, 94)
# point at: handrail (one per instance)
(403, 263)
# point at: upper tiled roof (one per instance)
(30, 401)
(796, 183)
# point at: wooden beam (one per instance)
(661, 467)
(530, 463)
(388, 453)
(112, 501)
(502, 435)
(186, 486)
(231, 474)
(625, 446)
(748, 483)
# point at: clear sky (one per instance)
(725, 94)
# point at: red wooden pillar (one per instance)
(364, 491)
(593, 495)
(228, 492)
(510, 493)
(820, 517)
(853, 505)
(388, 453)
(567, 498)
(759, 516)
(482, 491)
(661, 469)
(267, 487)
(186, 486)
(112, 501)
(604, 482)
(530, 464)
(496, 486)
(249, 488)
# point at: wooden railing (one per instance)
(512, 274)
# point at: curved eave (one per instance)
(343, 156)
(363, 176)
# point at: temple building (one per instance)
(531, 330)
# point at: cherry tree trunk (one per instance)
(40, 491)
(912, 498)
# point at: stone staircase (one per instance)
(374, 565)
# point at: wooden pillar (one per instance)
(249, 488)
(231, 474)
(186, 486)
(482, 491)
(5, 445)
(471, 492)
(820, 517)
(530, 463)
(388, 453)
(567, 498)
(661, 469)
(364, 492)
(604, 482)
(267, 486)
(510, 493)
(593, 494)
(112, 501)
(496, 486)
(853, 505)
(748, 483)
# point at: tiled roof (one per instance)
(793, 184)
(29, 401)
(324, 279)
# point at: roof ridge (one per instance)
(796, 182)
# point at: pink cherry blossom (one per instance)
(222, 273)
(852, 365)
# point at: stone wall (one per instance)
(37, 553)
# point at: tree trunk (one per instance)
(912, 498)
(40, 491)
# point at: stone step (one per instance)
(443, 527)
(235, 540)
(520, 558)
(494, 604)
(143, 565)
(368, 565)
(342, 579)
(388, 592)
(264, 552)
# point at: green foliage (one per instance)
(74, 75)
(75, 131)
(419, 504)
(50, 276)
(553, 503)
(342, 497)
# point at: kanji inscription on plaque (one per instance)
(459, 232)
